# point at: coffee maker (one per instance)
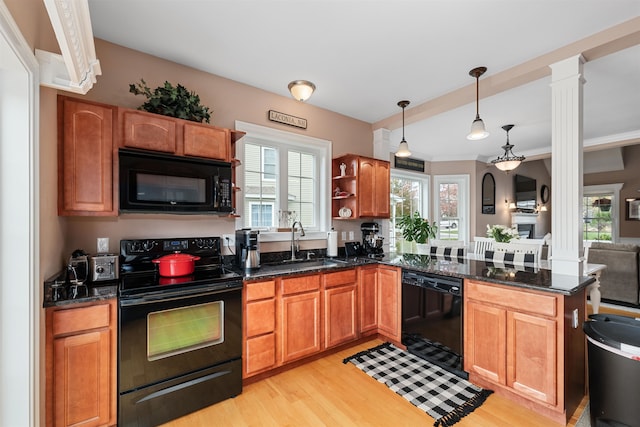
(372, 240)
(247, 249)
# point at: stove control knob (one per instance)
(211, 243)
(199, 243)
(99, 269)
(147, 245)
(135, 247)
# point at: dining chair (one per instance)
(520, 248)
(482, 244)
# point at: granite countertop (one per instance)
(522, 276)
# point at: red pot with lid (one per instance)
(177, 264)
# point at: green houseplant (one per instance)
(417, 229)
(173, 101)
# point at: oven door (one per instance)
(164, 336)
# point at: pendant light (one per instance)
(477, 127)
(507, 162)
(301, 89)
(403, 149)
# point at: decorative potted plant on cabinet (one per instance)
(173, 101)
(419, 230)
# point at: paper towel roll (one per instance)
(332, 243)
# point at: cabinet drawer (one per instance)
(260, 317)
(260, 290)
(518, 300)
(260, 354)
(344, 277)
(296, 285)
(80, 319)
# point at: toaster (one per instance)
(104, 267)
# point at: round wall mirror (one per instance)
(544, 194)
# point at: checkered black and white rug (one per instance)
(445, 397)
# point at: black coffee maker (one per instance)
(247, 249)
(372, 240)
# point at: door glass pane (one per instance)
(449, 208)
(184, 329)
(406, 198)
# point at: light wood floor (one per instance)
(327, 392)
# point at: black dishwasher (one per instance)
(432, 319)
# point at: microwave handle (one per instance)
(216, 191)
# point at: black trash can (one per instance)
(613, 348)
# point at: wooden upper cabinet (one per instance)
(85, 158)
(148, 131)
(364, 187)
(206, 141)
(154, 132)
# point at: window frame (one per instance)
(424, 198)
(606, 189)
(321, 148)
(464, 197)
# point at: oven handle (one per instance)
(173, 296)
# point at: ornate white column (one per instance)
(566, 171)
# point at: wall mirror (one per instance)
(544, 194)
(488, 194)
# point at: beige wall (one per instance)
(504, 190)
(630, 178)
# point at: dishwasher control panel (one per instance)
(445, 284)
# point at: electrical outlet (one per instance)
(103, 245)
(576, 321)
(351, 235)
(343, 235)
(229, 242)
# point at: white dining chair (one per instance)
(520, 248)
(482, 244)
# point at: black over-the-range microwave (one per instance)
(163, 183)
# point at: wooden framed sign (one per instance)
(286, 119)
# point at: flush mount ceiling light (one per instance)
(507, 162)
(301, 89)
(403, 149)
(477, 127)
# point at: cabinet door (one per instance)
(367, 188)
(382, 190)
(340, 315)
(85, 158)
(206, 141)
(368, 296)
(531, 356)
(81, 365)
(389, 310)
(300, 323)
(82, 388)
(484, 344)
(149, 131)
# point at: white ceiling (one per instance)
(364, 56)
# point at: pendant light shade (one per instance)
(507, 162)
(478, 130)
(301, 89)
(403, 148)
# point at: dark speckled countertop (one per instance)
(522, 276)
(529, 277)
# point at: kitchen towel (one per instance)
(332, 243)
(444, 396)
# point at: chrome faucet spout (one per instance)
(294, 245)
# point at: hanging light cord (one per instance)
(477, 96)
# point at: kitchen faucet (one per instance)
(295, 246)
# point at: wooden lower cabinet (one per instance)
(515, 344)
(299, 317)
(340, 307)
(388, 302)
(259, 327)
(293, 317)
(368, 298)
(81, 350)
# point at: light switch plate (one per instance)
(103, 245)
(575, 319)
